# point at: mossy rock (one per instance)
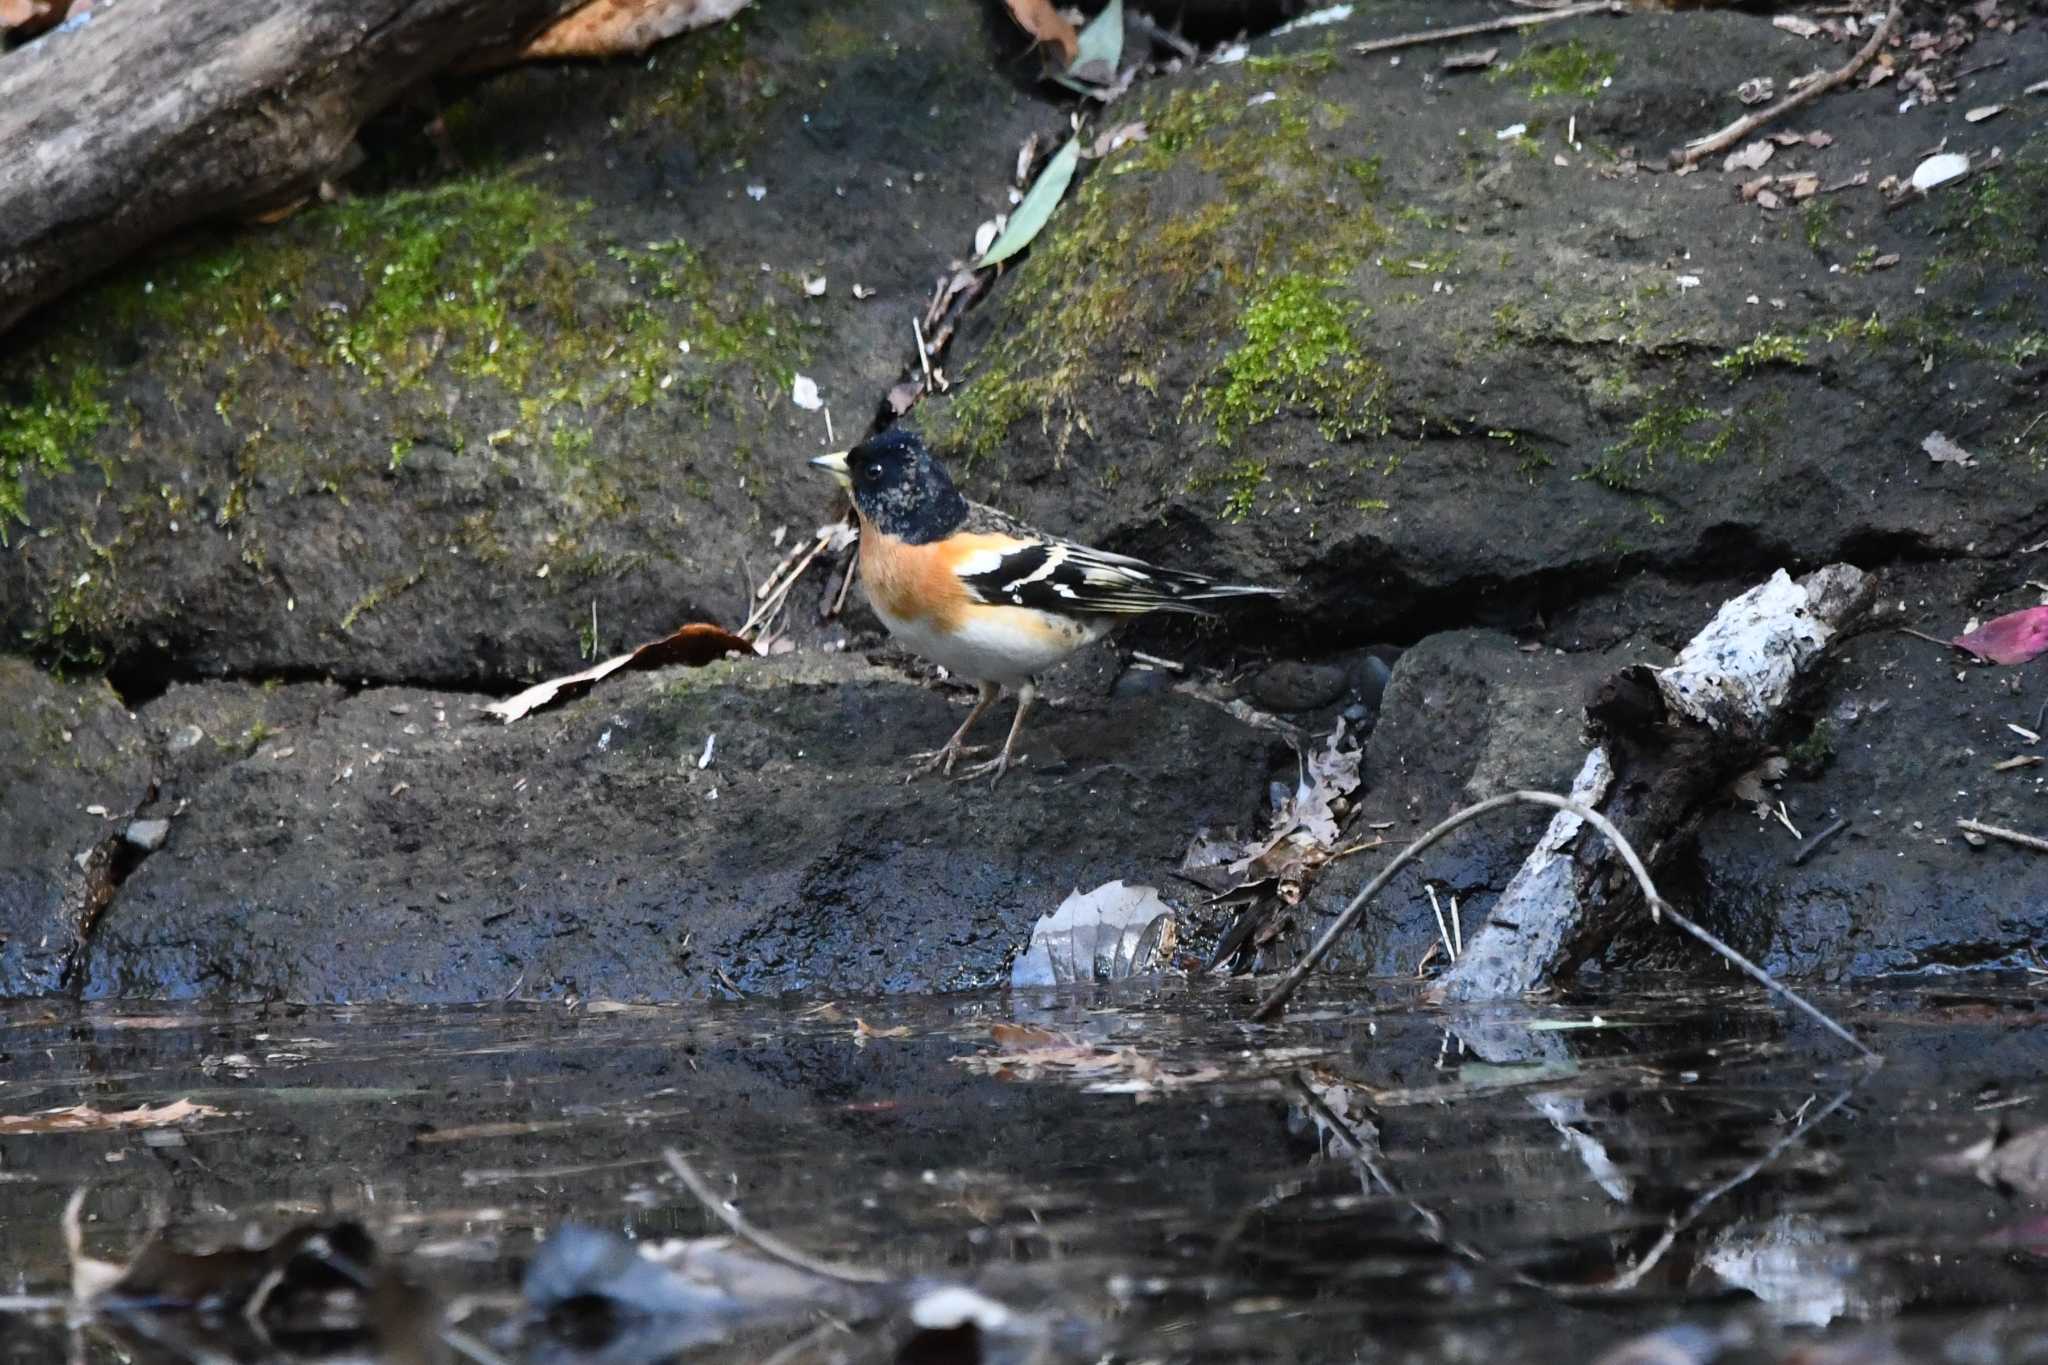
(1335, 324)
(433, 430)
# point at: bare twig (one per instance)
(1813, 845)
(1501, 25)
(766, 1243)
(852, 567)
(924, 360)
(1749, 123)
(1367, 1159)
(1276, 1000)
(1930, 639)
(2011, 836)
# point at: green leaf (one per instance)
(1037, 206)
(1098, 53)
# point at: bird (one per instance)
(985, 596)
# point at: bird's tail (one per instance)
(1177, 590)
(1218, 592)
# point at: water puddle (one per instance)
(1033, 1175)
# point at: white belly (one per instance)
(1007, 646)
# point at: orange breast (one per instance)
(917, 583)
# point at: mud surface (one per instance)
(1516, 402)
(1524, 1164)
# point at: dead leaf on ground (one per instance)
(1756, 90)
(1939, 169)
(1098, 53)
(696, 644)
(625, 28)
(83, 1118)
(863, 1030)
(1043, 21)
(2013, 638)
(1031, 213)
(1982, 112)
(1798, 27)
(1121, 135)
(1470, 61)
(1749, 787)
(1109, 934)
(1942, 450)
(1749, 158)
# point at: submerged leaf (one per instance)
(2010, 639)
(1108, 934)
(83, 1118)
(1030, 215)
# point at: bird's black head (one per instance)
(899, 486)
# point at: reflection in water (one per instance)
(1029, 1175)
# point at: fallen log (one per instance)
(1670, 742)
(151, 115)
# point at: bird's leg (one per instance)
(1000, 764)
(944, 758)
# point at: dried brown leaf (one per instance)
(614, 28)
(83, 1118)
(696, 644)
(1043, 21)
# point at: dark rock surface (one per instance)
(1321, 328)
(395, 844)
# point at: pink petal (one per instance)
(2010, 639)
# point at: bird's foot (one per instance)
(993, 769)
(941, 760)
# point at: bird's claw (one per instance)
(997, 766)
(941, 760)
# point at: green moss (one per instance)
(1997, 218)
(1570, 70)
(447, 278)
(1115, 269)
(1320, 61)
(1817, 223)
(1810, 757)
(1766, 348)
(53, 422)
(1402, 267)
(1667, 430)
(1239, 481)
(1529, 460)
(378, 596)
(1302, 350)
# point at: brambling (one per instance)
(983, 595)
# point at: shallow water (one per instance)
(1372, 1179)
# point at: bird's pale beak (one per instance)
(835, 465)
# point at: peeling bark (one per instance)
(1671, 741)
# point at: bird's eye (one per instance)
(874, 472)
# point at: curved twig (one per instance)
(1277, 999)
(765, 1242)
(1749, 123)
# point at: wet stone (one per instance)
(1292, 686)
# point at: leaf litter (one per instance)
(1112, 933)
(693, 645)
